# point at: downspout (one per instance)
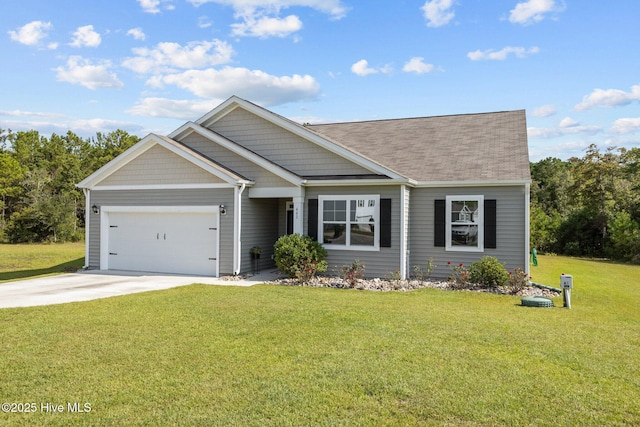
(403, 232)
(237, 227)
(87, 221)
(527, 227)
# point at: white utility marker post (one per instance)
(566, 283)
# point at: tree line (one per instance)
(39, 200)
(588, 206)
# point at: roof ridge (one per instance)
(413, 118)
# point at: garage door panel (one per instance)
(165, 242)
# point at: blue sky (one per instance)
(150, 65)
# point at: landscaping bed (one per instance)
(386, 285)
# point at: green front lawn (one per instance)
(28, 261)
(275, 355)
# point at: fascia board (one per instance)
(354, 182)
(440, 184)
(239, 150)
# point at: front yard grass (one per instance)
(276, 355)
(29, 261)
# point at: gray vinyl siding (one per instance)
(377, 263)
(510, 233)
(234, 162)
(260, 218)
(159, 166)
(199, 197)
(282, 147)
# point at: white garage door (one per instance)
(163, 242)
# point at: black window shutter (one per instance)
(439, 222)
(490, 224)
(385, 223)
(312, 218)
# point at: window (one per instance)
(349, 222)
(464, 223)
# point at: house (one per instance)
(391, 193)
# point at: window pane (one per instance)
(365, 212)
(464, 234)
(362, 234)
(334, 234)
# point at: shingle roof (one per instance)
(467, 147)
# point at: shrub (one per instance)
(459, 277)
(422, 275)
(517, 281)
(299, 256)
(488, 272)
(352, 273)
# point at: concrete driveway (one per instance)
(89, 285)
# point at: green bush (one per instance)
(299, 256)
(488, 272)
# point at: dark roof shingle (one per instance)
(467, 147)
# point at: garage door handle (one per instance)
(165, 236)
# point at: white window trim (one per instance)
(348, 198)
(449, 246)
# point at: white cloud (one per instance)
(168, 56)
(626, 125)
(263, 88)
(261, 18)
(335, 8)
(150, 6)
(173, 108)
(264, 27)
(85, 36)
(609, 98)
(544, 111)
(137, 33)
(568, 122)
(32, 33)
(501, 55)
(562, 131)
(531, 11)
(204, 22)
(40, 114)
(417, 65)
(82, 72)
(438, 12)
(361, 68)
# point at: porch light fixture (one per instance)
(95, 209)
(223, 210)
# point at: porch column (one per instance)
(298, 213)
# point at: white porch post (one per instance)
(237, 228)
(87, 221)
(298, 213)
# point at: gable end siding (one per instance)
(282, 147)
